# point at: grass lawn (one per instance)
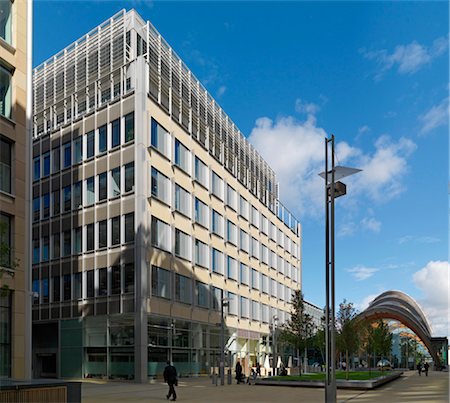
(353, 375)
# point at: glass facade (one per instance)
(5, 335)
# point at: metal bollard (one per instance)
(229, 377)
(214, 379)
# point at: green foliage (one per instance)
(379, 339)
(7, 264)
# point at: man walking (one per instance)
(238, 372)
(425, 368)
(170, 377)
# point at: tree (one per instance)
(299, 328)
(380, 339)
(7, 263)
(348, 336)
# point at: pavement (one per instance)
(409, 388)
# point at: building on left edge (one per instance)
(15, 154)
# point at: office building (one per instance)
(15, 154)
(150, 209)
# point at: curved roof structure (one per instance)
(399, 306)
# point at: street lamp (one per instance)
(333, 190)
(274, 342)
(223, 303)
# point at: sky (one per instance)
(374, 74)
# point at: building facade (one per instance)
(15, 146)
(150, 209)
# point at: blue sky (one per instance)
(373, 73)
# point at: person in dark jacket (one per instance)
(425, 368)
(419, 368)
(170, 377)
(238, 372)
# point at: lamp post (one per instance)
(333, 190)
(223, 303)
(274, 342)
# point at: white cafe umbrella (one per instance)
(279, 362)
(290, 362)
(266, 362)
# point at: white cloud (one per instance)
(221, 91)
(435, 117)
(347, 229)
(362, 305)
(407, 58)
(362, 272)
(371, 224)
(433, 280)
(418, 239)
(295, 150)
(306, 107)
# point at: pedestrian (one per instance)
(258, 369)
(238, 372)
(425, 368)
(170, 377)
(419, 368)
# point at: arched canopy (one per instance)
(399, 306)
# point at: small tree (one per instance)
(380, 339)
(299, 328)
(347, 331)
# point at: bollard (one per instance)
(214, 378)
(229, 377)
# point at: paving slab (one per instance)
(409, 388)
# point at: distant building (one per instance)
(149, 206)
(317, 314)
(15, 146)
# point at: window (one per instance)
(67, 198)
(232, 268)
(181, 156)
(243, 208)
(160, 186)
(182, 200)
(201, 291)
(5, 240)
(115, 232)
(90, 283)
(56, 249)
(160, 138)
(78, 240)
(129, 277)
(90, 144)
(115, 280)
(217, 186)
(67, 243)
(255, 279)
(183, 290)
(67, 162)
(160, 234)
(255, 248)
(216, 296)
(244, 307)
(102, 281)
(78, 150)
(182, 244)
(217, 261)
(102, 138)
(160, 282)
(231, 232)
(36, 251)
(231, 198)
(77, 286)
(264, 225)
(115, 133)
(129, 227)
(90, 191)
(129, 127)
(5, 21)
(103, 234)
(255, 217)
(36, 209)
(77, 196)
(115, 182)
(264, 254)
(243, 240)
(217, 223)
(36, 168)
(244, 275)
(5, 88)
(56, 295)
(129, 177)
(45, 290)
(232, 304)
(201, 213)
(46, 205)
(5, 165)
(90, 237)
(273, 260)
(46, 163)
(265, 284)
(265, 313)
(273, 232)
(56, 157)
(56, 201)
(201, 254)
(256, 310)
(273, 287)
(102, 186)
(201, 172)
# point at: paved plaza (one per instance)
(409, 388)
